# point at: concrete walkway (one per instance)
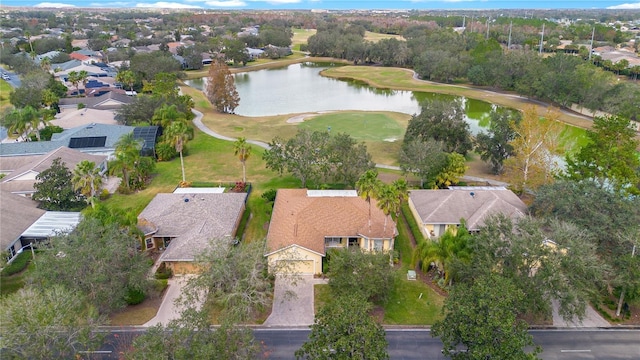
(591, 318)
(169, 310)
(293, 304)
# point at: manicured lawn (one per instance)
(402, 79)
(321, 296)
(361, 126)
(407, 307)
(5, 90)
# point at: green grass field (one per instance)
(361, 126)
(5, 90)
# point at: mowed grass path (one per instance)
(361, 126)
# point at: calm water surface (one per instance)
(299, 88)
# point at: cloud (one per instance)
(626, 6)
(115, 4)
(167, 5)
(53, 5)
(226, 3)
(278, 2)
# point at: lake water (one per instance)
(299, 88)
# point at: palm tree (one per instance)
(445, 252)
(388, 201)
(242, 149)
(83, 77)
(74, 78)
(45, 64)
(87, 180)
(126, 77)
(22, 121)
(177, 134)
(367, 186)
(127, 154)
(166, 115)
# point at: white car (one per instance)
(5, 77)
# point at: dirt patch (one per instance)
(633, 319)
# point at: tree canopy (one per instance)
(343, 329)
(54, 188)
(221, 89)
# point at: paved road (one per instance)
(409, 344)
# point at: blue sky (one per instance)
(334, 4)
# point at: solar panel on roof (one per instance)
(87, 142)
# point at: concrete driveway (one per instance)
(169, 310)
(591, 318)
(293, 303)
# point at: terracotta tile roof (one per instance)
(449, 206)
(305, 221)
(192, 220)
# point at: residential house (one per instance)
(307, 223)
(182, 225)
(24, 224)
(435, 211)
(22, 177)
(97, 139)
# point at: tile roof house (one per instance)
(306, 223)
(112, 100)
(21, 179)
(437, 210)
(181, 225)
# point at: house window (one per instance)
(332, 242)
(366, 244)
(353, 241)
(378, 244)
(149, 243)
(166, 241)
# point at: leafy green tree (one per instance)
(242, 150)
(344, 329)
(610, 157)
(234, 277)
(493, 145)
(221, 89)
(452, 171)
(234, 49)
(481, 322)
(425, 159)
(128, 163)
(54, 189)
(348, 159)
(613, 219)
(87, 180)
(147, 65)
(364, 273)
(177, 134)
(191, 337)
(545, 259)
(447, 252)
(95, 259)
(441, 121)
(305, 156)
(47, 323)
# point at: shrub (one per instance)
(165, 151)
(239, 187)
(47, 132)
(160, 284)
(270, 195)
(163, 272)
(81, 106)
(104, 194)
(134, 296)
(18, 264)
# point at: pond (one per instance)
(299, 88)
